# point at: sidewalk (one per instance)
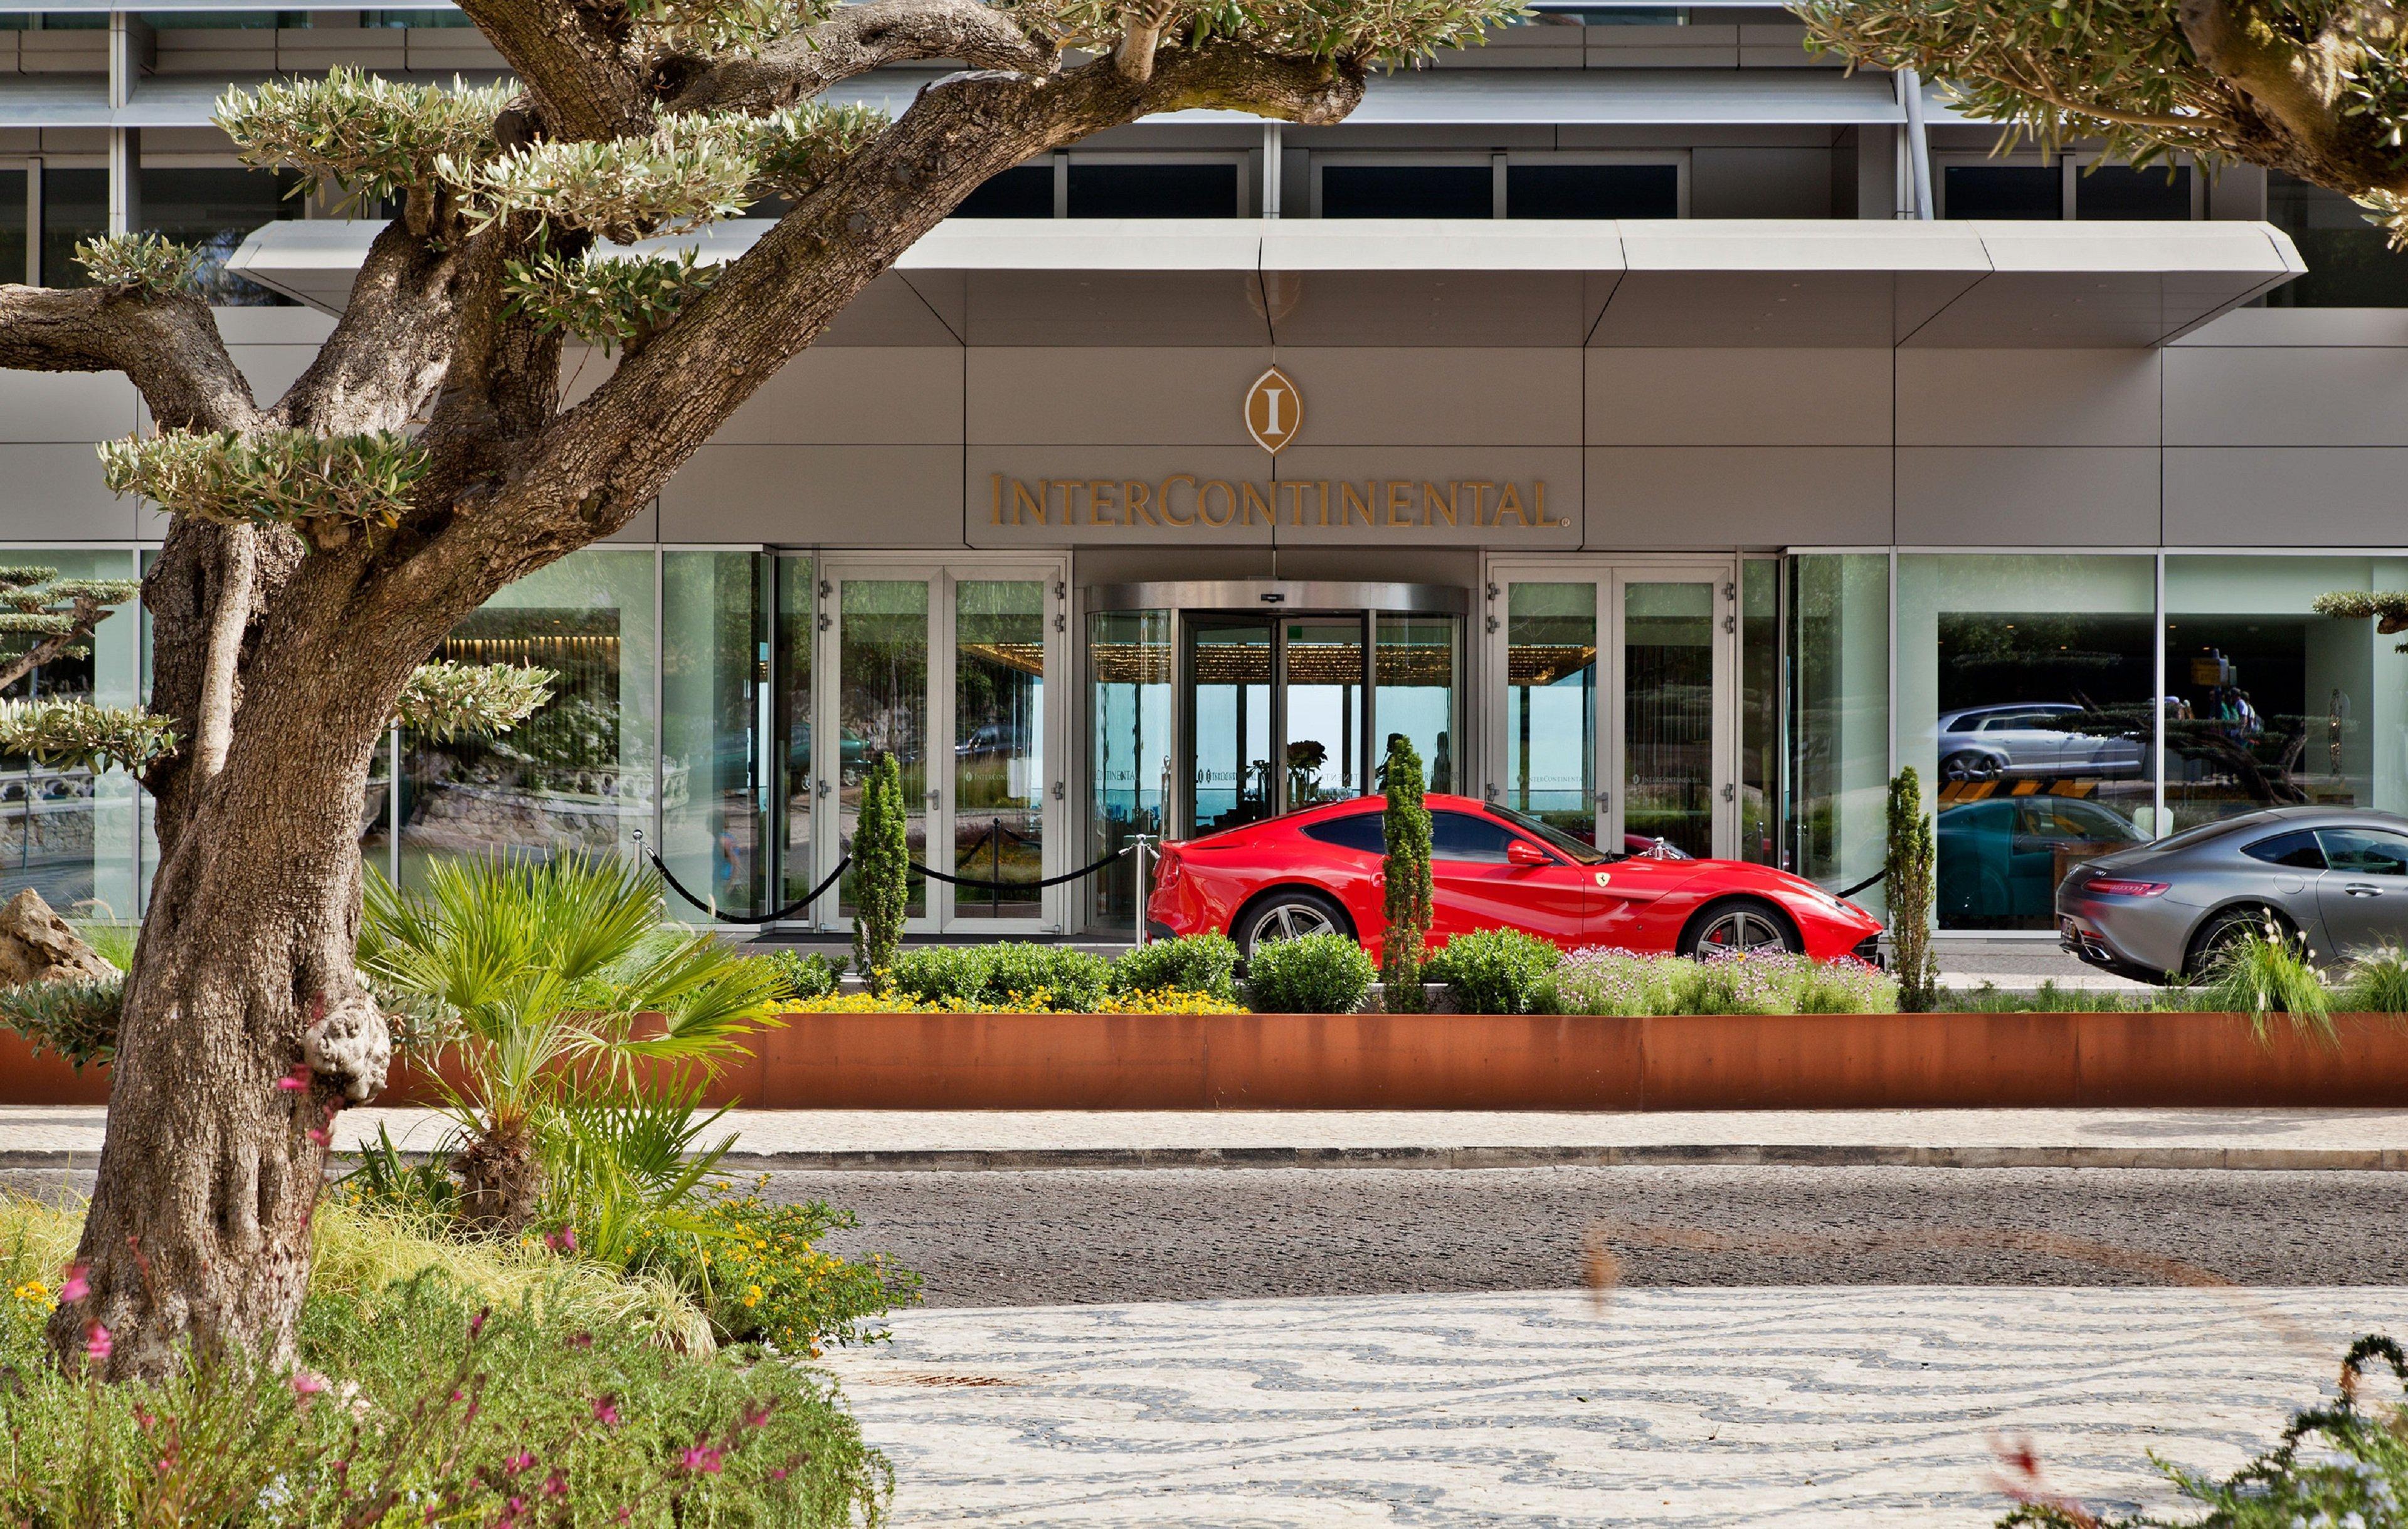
(64, 1136)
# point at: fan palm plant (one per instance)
(561, 988)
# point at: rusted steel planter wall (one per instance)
(1505, 1062)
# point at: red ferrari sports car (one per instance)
(1319, 871)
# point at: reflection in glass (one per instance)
(797, 608)
(1760, 721)
(1324, 711)
(713, 662)
(1417, 685)
(2023, 676)
(999, 745)
(70, 832)
(2271, 705)
(577, 775)
(1550, 705)
(1229, 721)
(1839, 633)
(882, 700)
(1129, 704)
(75, 208)
(1667, 714)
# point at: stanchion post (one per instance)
(1144, 887)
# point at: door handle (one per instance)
(2361, 888)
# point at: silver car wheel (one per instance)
(1745, 929)
(1291, 921)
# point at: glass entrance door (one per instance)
(1274, 718)
(1616, 684)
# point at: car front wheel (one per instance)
(1288, 914)
(1739, 925)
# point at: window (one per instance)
(2298, 850)
(1366, 831)
(2021, 193)
(2350, 261)
(68, 831)
(1025, 190)
(1459, 835)
(12, 227)
(2157, 194)
(1407, 190)
(75, 208)
(1414, 667)
(1545, 189)
(215, 211)
(1130, 704)
(2364, 852)
(1838, 637)
(1114, 189)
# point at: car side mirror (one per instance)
(1523, 852)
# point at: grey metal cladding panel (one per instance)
(2259, 396)
(1336, 307)
(2288, 497)
(1672, 497)
(2084, 307)
(987, 514)
(2335, 326)
(2028, 397)
(1738, 396)
(1396, 484)
(842, 495)
(53, 491)
(1114, 307)
(64, 407)
(855, 397)
(2035, 496)
(1115, 395)
(894, 310)
(1755, 182)
(1452, 396)
(1812, 309)
(272, 368)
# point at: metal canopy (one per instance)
(1692, 283)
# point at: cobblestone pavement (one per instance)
(1040, 1239)
(1690, 1407)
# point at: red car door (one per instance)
(1475, 883)
(1624, 915)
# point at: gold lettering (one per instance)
(1351, 504)
(1162, 500)
(1023, 501)
(994, 512)
(1510, 503)
(1401, 496)
(1538, 501)
(1478, 487)
(1445, 503)
(1139, 499)
(1072, 490)
(1297, 491)
(1229, 503)
(1100, 499)
(1254, 501)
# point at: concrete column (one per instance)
(125, 180)
(132, 50)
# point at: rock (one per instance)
(38, 945)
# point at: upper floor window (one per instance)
(2069, 187)
(1504, 185)
(2351, 262)
(1553, 188)
(214, 210)
(1114, 186)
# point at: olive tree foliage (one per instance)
(324, 542)
(2316, 87)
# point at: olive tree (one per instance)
(322, 543)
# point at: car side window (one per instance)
(2298, 850)
(2365, 852)
(1459, 835)
(1364, 831)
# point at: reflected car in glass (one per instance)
(2002, 858)
(1319, 871)
(1984, 743)
(2168, 911)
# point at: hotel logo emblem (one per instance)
(1274, 411)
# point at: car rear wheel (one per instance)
(2233, 926)
(1740, 926)
(1968, 767)
(1288, 913)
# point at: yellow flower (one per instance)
(752, 1296)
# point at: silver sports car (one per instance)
(2164, 912)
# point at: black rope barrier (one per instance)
(788, 911)
(1860, 886)
(981, 884)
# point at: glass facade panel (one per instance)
(1760, 717)
(2351, 262)
(882, 699)
(75, 208)
(577, 776)
(214, 211)
(1407, 190)
(12, 227)
(1417, 690)
(1110, 189)
(1839, 645)
(70, 834)
(1667, 714)
(2271, 705)
(2158, 193)
(797, 610)
(1592, 190)
(1130, 696)
(1325, 711)
(714, 670)
(2023, 700)
(1025, 190)
(1229, 724)
(2025, 193)
(999, 745)
(1550, 705)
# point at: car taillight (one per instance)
(2109, 886)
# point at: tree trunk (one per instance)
(245, 1026)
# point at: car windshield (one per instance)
(1555, 838)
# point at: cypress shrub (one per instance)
(1407, 868)
(1907, 874)
(882, 871)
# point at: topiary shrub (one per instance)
(1907, 877)
(1312, 974)
(1046, 977)
(881, 872)
(1495, 971)
(1405, 872)
(76, 1018)
(1205, 964)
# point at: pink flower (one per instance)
(96, 1343)
(701, 1457)
(295, 1080)
(562, 1241)
(477, 1323)
(758, 1416)
(555, 1485)
(76, 1288)
(305, 1383)
(518, 1462)
(606, 1411)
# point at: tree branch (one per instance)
(388, 353)
(168, 346)
(86, 614)
(853, 41)
(574, 59)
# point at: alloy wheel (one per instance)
(1291, 921)
(1745, 929)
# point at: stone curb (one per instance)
(1678, 1155)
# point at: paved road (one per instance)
(1053, 1238)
